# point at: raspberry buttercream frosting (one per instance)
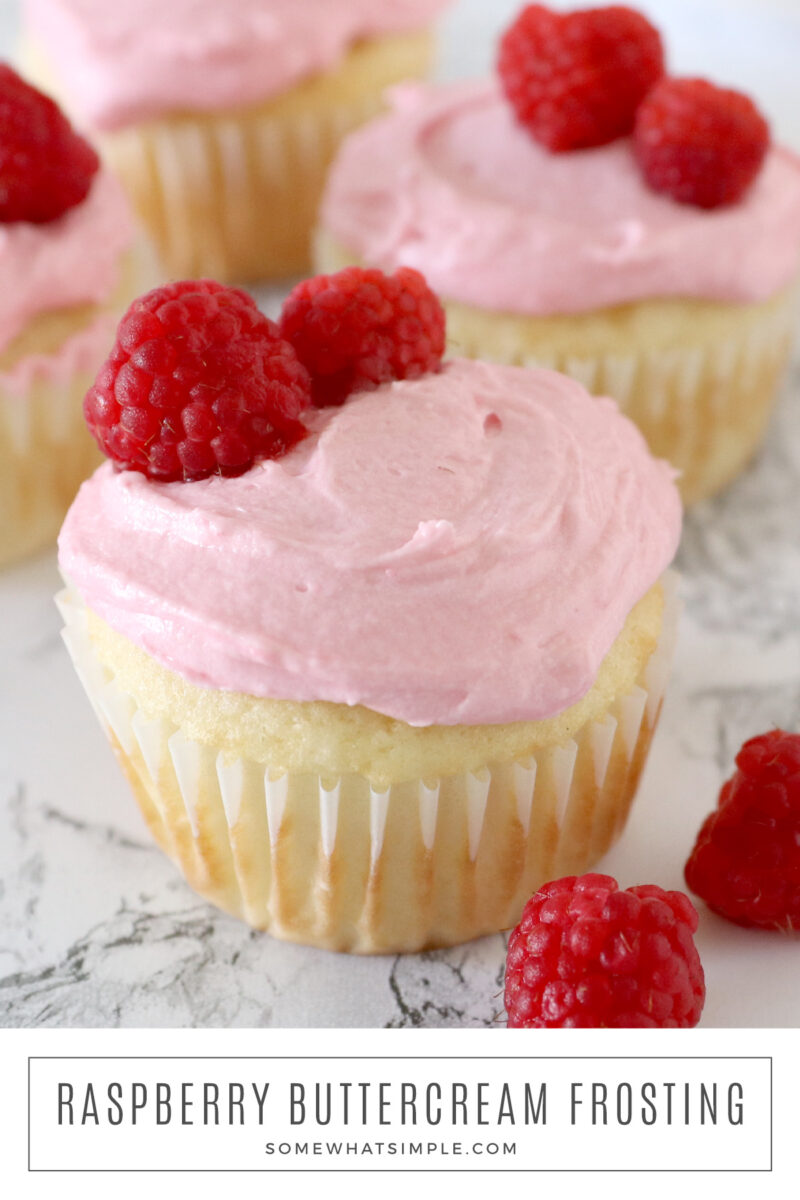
(70, 261)
(128, 60)
(450, 183)
(459, 549)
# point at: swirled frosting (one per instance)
(121, 61)
(449, 183)
(460, 549)
(73, 260)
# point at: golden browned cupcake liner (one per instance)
(336, 863)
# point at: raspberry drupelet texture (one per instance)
(587, 955)
(360, 328)
(199, 382)
(698, 143)
(45, 167)
(746, 861)
(575, 80)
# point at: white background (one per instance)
(781, 1184)
(158, 1104)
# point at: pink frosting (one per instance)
(449, 183)
(459, 549)
(74, 260)
(120, 61)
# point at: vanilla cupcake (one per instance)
(222, 119)
(375, 688)
(69, 265)
(567, 257)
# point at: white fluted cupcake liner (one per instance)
(46, 450)
(337, 863)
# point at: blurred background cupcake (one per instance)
(588, 213)
(69, 265)
(407, 665)
(221, 119)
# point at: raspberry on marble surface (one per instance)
(589, 955)
(746, 861)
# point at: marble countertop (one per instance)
(97, 928)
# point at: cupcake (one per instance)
(374, 670)
(649, 249)
(68, 267)
(222, 119)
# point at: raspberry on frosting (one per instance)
(699, 143)
(575, 79)
(360, 328)
(199, 382)
(746, 861)
(355, 517)
(587, 955)
(45, 167)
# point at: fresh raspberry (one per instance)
(360, 328)
(746, 860)
(587, 955)
(199, 382)
(45, 167)
(698, 143)
(576, 79)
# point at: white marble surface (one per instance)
(96, 927)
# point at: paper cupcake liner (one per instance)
(336, 863)
(703, 405)
(46, 450)
(234, 196)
